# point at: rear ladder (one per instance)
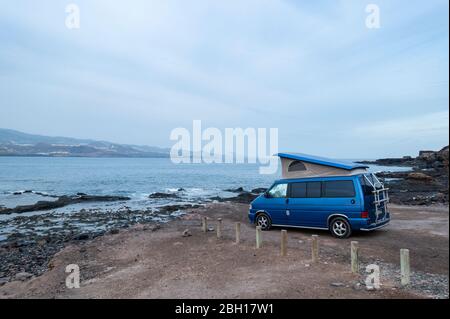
(381, 194)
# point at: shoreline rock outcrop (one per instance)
(61, 202)
(426, 184)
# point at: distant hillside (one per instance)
(15, 143)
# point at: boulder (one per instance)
(22, 276)
(259, 190)
(418, 176)
(244, 197)
(163, 195)
(186, 233)
(84, 236)
(4, 281)
(235, 190)
(427, 155)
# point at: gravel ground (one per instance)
(146, 262)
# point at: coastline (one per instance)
(29, 253)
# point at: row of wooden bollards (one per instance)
(354, 248)
(405, 269)
(259, 241)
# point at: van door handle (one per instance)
(352, 201)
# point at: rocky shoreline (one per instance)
(426, 184)
(27, 252)
(61, 201)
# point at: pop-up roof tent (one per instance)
(296, 165)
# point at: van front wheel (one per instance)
(340, 228)
(264, 221)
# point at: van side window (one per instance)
(296, 166)
(313, 189)
(298, 190)
(338, 189)
(278, 191)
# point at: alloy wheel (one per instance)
(339, 228)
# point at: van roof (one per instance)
(317, 178)
(347, 165)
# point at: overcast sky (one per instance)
(137, 69)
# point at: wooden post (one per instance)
(219, 228)
(315, 248)
(354, 250)
(404, 267)
(204, 224)
(284, 239)
(258, 237)
(238, 232)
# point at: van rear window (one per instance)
(338, 189)
(366, 187)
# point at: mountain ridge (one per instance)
(17, 143)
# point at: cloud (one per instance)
(299, 66)
(413, 127)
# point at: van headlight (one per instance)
(250, 207)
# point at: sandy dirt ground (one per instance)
(143, 262)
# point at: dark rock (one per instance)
(155, 227)
(4, 280)
(22, 276)
(61, 202)
(84, 236)
(259, 190)
(97, 234)
(114, 231)
(235, 190)
(420, 177)
(217, 198)
(244, 197)
(163, 195)
(186, 233)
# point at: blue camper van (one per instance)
(320, 193)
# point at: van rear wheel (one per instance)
(340, 228)
(264, 221)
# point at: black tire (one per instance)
(340, 228)
(264, 221)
